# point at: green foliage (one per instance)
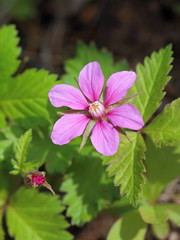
(6, 187)
(59, 158)
(165, 128)
(166, 159)
(27, 101)
(162, 165)
(32, 215)
(89, 53)
(119, 207)
(88, 190)
(161, 230)
(173, 212)
(21, 150)
(127, 167)
(159, 214)
(8, 138)
(151, 79)
(19, 9)
(153, 214)
(40, 151)
(129, 227)
(1, 229)
(9, 52)
(24, 97)
(2, 120)
(4, 145)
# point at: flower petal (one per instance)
(65, 95)
(91, 81)
(118, 85)
(126, 116)
(68, 127)
(105, 138)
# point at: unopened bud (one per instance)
(35, 179)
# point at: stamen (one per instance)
(97, 110)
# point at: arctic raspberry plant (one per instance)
(84, 180)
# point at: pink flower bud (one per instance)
(35, 179)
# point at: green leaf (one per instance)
(89, 53)
(6, 187)
(151, 80)
(120, 207)
(32, 215)
(165, 128)
(59, 158)
(9, 52)
(4, 145)
(19, 9)
(26, 98)
(129, 227)
(173, 211)
(86, 195)
(127, 167)
(21, 150)
(24, 9)
(1, 227)
(166, 159)
(159, 214)
(153, 214)
(162, 165)
(161, 231)
(8, 137)
(22, 146)
(2, 120)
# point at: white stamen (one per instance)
(97, 110)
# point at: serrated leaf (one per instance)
(89, 53)
(129, 227)
(32, 215)
(28, 159)
(9, 52)
(161, 231)
(26, 98)
(127, 167)
(1, 227)
(21, 150)
(86, 195)
(22, 145)
(154, 214)
(165, 128)
(151, 80)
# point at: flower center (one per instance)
(38, 179)
(97, 110)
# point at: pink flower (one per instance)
(93, 111)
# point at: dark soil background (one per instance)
(130, 29)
